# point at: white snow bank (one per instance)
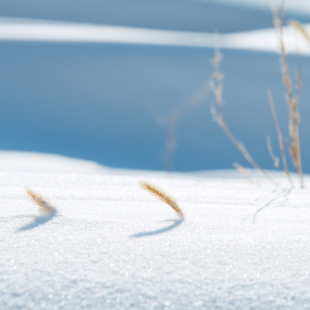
(294, 6)
(40, 162)
(112, 246)
(50, 31)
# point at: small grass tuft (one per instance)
(41, 202)
(163, 196)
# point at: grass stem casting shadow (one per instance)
(175, 224)
(163, 196)
(47, 211)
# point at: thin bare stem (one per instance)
(292, 100)
(280, 138)
(170, 123)
(276, 160)
(216, 85)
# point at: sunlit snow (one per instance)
(112, 246)
(40, 30)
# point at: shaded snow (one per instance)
(50, 31)
(106, 102)
(296, 6)
(112, 246)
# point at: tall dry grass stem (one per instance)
(292, 101)
(216, 85)
(300, 28)
(163, 196)
(276, 160)
(280, 140)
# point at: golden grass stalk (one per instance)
(163, 196)
(299, 27)
(216, 85)
(280, 139)
(292, 101)
(41, 202)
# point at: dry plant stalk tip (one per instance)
(40, 201)
(299, 27)
(216, 85)
(292, 101)
(170, 124)
(280, 139)
(276, 160)
(163, 196)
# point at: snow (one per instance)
(93, 80)
(96, 80)
(71, 103)
(112, 246)
(257, 40)
(296, 6)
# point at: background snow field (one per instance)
(106, 101)
(113, 246)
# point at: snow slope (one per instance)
(14, 29)
(156, 14)
(107, 101)
(103, 102)
(112, 246)
(296, 6)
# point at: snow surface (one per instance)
(112, 246)
(50, 31)
(156, 14)
(297, 6)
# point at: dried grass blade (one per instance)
(291, 99)
(41, 202)
(163, 196)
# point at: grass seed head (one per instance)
(41, 202)
(163, 196)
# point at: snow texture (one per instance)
(113, 246)
(297, 6)
(13, 29)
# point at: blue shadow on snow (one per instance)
(174, 225)
(37, 221)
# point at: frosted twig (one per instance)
(275, 159)
(280, 139)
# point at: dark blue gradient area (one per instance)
(103, 102)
